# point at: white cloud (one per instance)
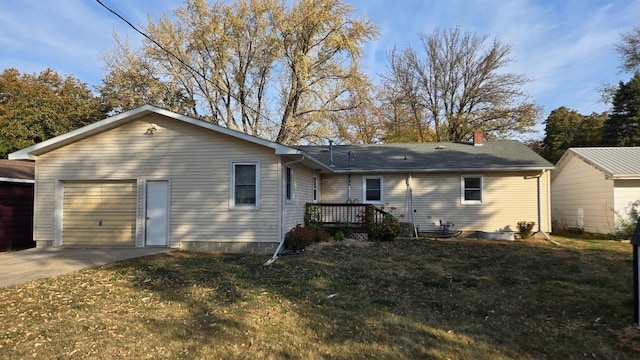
(565, 46)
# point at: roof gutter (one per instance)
(625, 177)
(405, 170)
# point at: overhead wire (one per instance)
(191, 68)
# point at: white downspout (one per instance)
(540, 231)
(282, 229)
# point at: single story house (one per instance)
(16, 204)
(151, 177)
(592, 187)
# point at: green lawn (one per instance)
(434, 299)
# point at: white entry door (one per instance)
(157, 211)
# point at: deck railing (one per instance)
(357, 215)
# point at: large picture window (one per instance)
(471, 192)
(244, 187)
(372, 190)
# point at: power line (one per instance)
(191, 68)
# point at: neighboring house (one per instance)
(592, 187)
(16, 205)
(151, 177)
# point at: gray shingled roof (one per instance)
(500, 155)
(616, 161)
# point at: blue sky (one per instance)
(564, 46)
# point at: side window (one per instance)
(471, 189)
(244, 187)
(289, 182)
(372, 190)
(314, 184)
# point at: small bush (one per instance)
(386, 230)
(300, 237)
(525, 229)
(626, 225)
(340, 231)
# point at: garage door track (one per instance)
(26, 265)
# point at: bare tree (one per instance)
(458, 83)
(629, 50)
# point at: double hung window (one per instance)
(372, 190)
(245, 185)
(471, 189)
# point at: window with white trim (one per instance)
(245, 182)
(288, 182)
(471, 189)
(372, 190)
(314, 181)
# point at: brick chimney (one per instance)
(478, 137)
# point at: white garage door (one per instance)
(99, 213)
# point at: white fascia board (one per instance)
(280, 149)
(452, 170)
(320, 165)
(625, 177)
(31, 152)
(15, 180)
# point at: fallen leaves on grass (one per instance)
(406, 299)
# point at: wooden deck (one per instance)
(333, 214)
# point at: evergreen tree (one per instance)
(622, 127)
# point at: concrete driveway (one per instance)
(26, 265)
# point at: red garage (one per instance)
(16, 204)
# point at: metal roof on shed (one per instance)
(615, 161)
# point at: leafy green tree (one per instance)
(565, 128)
(457, 83)
(590, 130)
(622, 127)
(36, 107)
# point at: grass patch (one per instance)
(406, 299)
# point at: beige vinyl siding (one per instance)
(302, 194)
(582, 197)
(99, 213)
(335, 188)
(198, 163)
(625, 192)
(507, 199)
